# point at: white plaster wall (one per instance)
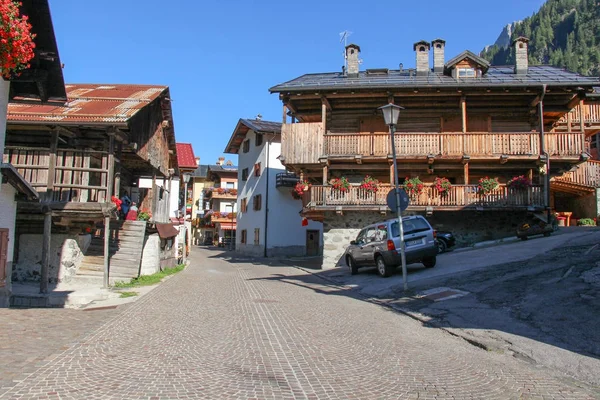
(8, 213)
(285, 228)
(285, 223)
(174, 193)
(151, 255)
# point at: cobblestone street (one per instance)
(234, 329)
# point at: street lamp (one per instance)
(391, 112)
(186, 179)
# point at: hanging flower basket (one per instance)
(413, 186)
(369, 184)
(487, 185)
(519, 182)
(16, 39)
(340, 184)
(442, 186)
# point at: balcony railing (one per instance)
(79, 175)
(591, 115)
(285, 179)
(305, 143)
(459, 196)
(586, 174)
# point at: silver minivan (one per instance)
(379, 245)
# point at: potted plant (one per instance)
(144, 215)
(369, 184)
(442, 185)
(519, 182)
(300, 188)
(586, 222)
(233, 192)
(16, 39)
(487, 185)
(413, 186)
(340, 184)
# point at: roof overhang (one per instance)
(11, 176)
(244, 126)
(44, 80)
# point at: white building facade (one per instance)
(268, 222)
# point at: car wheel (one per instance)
(429, 262)
(352, 264)
(382, 268)
(442, 246)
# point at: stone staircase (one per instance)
(125, 248)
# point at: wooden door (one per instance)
(3, 255)
(312, 243)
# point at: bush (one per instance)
(586, 222)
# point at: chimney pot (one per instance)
(438, 55)
(521, 55)
(352, 51)
(422, 49)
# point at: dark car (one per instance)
(445, 240)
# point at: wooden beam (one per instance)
(325, 175)
(503, 159)
(575, 100)
(284, 118)
(45, 269)
(569, 122)
(52, 165)
(326, 103)
(466, 173)
(291, 107)
(324, 117)
(581, 119)
(535, 101)
(111, 168)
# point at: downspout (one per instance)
(545, 154)
(267, 198)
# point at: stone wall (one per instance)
(581, 207)
(66, 255)
(151, 255)
(469, 227)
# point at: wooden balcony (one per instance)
(584, 180)
(304, 143)
(76, 176)
(459, 197)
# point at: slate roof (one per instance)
(89, 104)
(498, 76)
(242, 128)
(223, 168)
(201, 171)
(185, 156)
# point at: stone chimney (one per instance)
(422, 48)
(197, 160)
(221, 161)
(352, 51)
(521, 60)
(438, 55)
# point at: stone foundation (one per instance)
(151, 255)
(469, 227)
(66, 255)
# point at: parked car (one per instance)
(444, 240)
(379, 245)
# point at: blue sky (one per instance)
(219, 58)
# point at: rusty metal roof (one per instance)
(88, 104)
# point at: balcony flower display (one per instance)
(117, 202)
(299, 189)
(413, 186)
(16, 39)
(340, 184)
(369, 184)
(519, 182)
(487, 185)
(442, 185)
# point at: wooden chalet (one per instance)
(463, 119)
(79, 154)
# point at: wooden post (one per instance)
(51, 166)
(106, 249)
(581, 119)
(463, 110)
(118, 170)
(111, 166)
(391, 173)
(569, 121)
(324, 116)
(284, 120)
(466, 173)
(46, 250)
(530, 175)
(325, 172)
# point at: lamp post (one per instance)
(391, 112)
(186, 179)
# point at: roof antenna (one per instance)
(258, 117)
(344, 38)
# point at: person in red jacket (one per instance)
(132, 213)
